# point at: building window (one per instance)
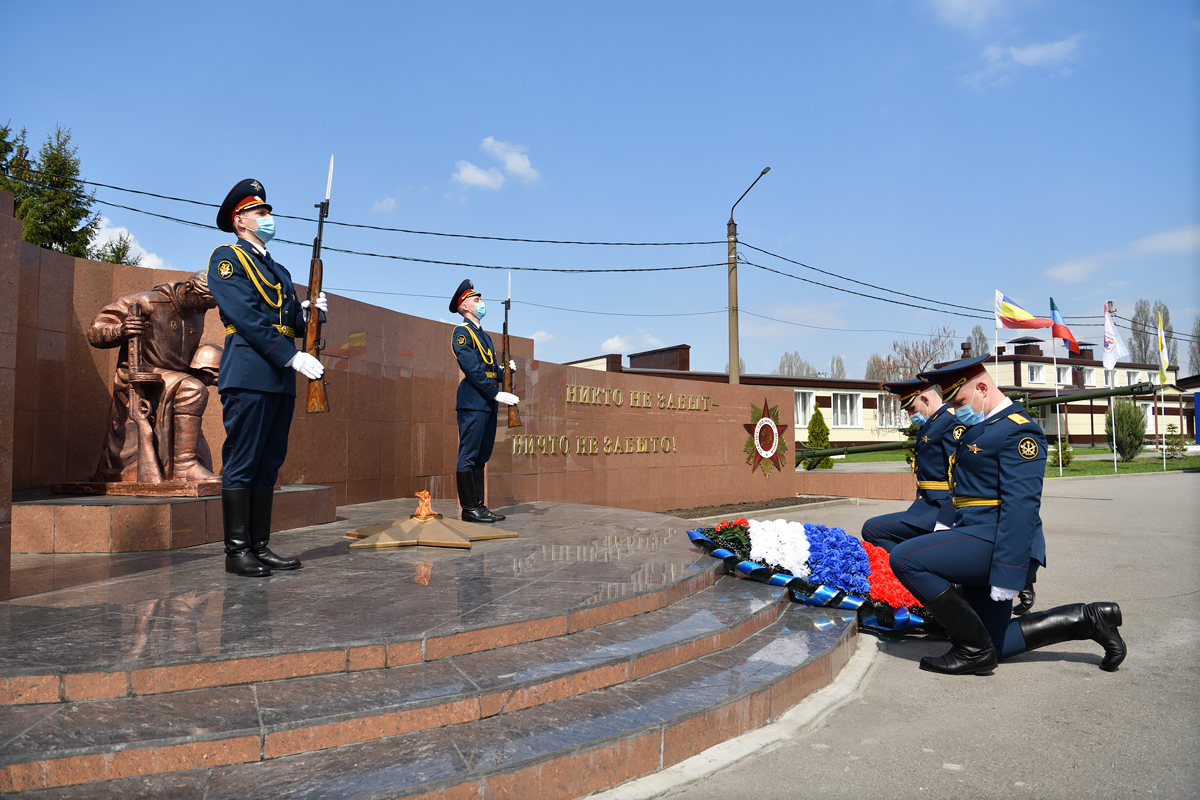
(1108, 378)
(889, 412)
(1035, 373)
(1148, 412)
(1089, 377)
(1132, 376)
(847, 409)
(804, 406)
(1064, 376)
(1154, 378)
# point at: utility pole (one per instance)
(735, 371)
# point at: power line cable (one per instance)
(364, 226)
(539, 305)
(860, 283)
(824, 328)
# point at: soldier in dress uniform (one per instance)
(257, 380)
(478, 394)
(936, 441)
(996, 479)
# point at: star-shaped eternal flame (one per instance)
(766, 438)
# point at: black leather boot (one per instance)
(472, 509)
(1095, 621)
(235, 509)
(261, 500)
(479, 479)
(1025, 599)
(972, 649)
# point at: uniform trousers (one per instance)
(928, 564)
(476, 436)
(256, 436)
(889, 530)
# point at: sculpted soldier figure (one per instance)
(169, 324)
(478, 393)
(262, 317)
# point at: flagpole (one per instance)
(1112, 417)
(1162, 391)
(1057, 406)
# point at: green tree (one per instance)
(1130, 428)
(117, 251)
(54, 207)
(818, 439)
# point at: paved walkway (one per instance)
(1047, 724)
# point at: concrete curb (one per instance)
(1126, 475)
(797, 721)
(841, 501)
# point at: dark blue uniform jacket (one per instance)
(480, 365)
(262, 316)
(936, 443)
(1002, 459)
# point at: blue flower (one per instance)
(837, 560)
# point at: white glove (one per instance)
(1000, 594)
(507, 398)
(306, 365)
(322, 305)
(512, 365)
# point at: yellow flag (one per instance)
(1163, 360)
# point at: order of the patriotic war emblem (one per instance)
(765, 445)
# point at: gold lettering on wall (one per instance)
(533, 445)
(603, 396)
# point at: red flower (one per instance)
(884, 585)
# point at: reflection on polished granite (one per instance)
(176, 607)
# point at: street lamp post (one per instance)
(735, 376)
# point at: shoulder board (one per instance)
(1019, 419)
(950, 410)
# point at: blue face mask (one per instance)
(919, 419)
(480, 310)
(968, 415)
(266, 229)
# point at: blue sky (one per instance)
(943, 148)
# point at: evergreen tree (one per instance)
(1130, 426)
(818, 439)
(51, 202)
(117, 251)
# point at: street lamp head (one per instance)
(764, 172)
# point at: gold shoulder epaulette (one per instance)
(1019, 419)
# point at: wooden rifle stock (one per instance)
(318, 400)
(514, 419)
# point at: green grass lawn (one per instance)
(863, 458)
(1146, 464)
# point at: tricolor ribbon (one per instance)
(802, 591)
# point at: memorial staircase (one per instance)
(545, 703)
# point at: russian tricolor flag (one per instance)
(1060, 329)
(1011, 315)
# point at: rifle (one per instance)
(514, 421)
(318, 400)
(140, 381)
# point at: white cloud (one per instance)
(387, 205)
(1003, 61)
(108, 233)
(622, 344)
(1180, 240)
(470, 175)
(541, 337)
(512, 158)
(971, 15)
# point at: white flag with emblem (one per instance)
(1114, 347)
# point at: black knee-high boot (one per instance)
(972, 649)
(477, 475)
(235, 509)
(472, 507)
(1096, 621)
(261, 500)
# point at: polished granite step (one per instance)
(562, 749)
(190, 625)
(272, 719)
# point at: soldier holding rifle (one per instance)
(476, 404)
(257, 383)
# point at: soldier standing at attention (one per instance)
(478, 394)
(996, 477)
(257, 381)
(937, 438)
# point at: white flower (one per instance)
(780, 542)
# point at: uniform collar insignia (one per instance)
(924, 438)
(974, 448)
